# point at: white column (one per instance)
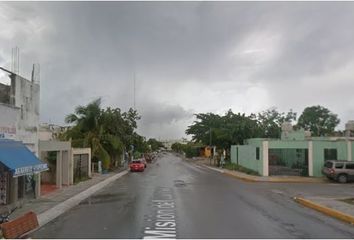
(38, 185)
(349, 150)
(89, 164)
(265, 146)
(13, 189)
(65, 168)
(310, 158)
(59, 169)
(71, 167)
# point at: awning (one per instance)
(19, 159)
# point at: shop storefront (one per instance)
(19, 172)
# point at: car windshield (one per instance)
(136, 161)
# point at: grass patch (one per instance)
(235, 167)
(82, 179)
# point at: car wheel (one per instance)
(342, 178)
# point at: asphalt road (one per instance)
(176, 199)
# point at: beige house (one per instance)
(67, 165)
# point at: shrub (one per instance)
(235, 167)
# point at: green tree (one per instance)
(223, 131)
(154, 144)
(190, 149)
(87, 131)
(319, 120)
(177, 147)
(270, 121)
(203, 129)
(106, 131)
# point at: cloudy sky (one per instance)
(188, 57)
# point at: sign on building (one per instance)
(7, 133)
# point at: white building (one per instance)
(169, 142)
(19, 110)
(19, 119)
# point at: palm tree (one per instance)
(105, 131)
(87, 131)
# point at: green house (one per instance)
(295, 153)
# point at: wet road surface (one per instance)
(176, 199)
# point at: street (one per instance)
(173, 198)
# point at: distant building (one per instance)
(207, 151)
(349, 129)
(48, 132)
(168, 143)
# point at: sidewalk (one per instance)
(274, 179)
(52, 205)
(331, 206)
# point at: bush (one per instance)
(235, 167)
(189, 149)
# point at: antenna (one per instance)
(12, 60)
(15, 60)
(32, 77)
(36, 73)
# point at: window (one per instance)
(330, 154)
(257, 153)
(339, 165)
(298, 153)
(21, 112)
(349, 166)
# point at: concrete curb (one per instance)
(247, 179)
(291, 181)
(229, 174)
(325, 210)
(250, 178)
(214, 169)
(61, 208)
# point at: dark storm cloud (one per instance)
(317, 38)
(200, 56)
(163, 120)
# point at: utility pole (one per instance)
(134, 89)
(210, 141)
(210, 136)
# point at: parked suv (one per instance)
(339, 170)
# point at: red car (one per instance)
(137, 165)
